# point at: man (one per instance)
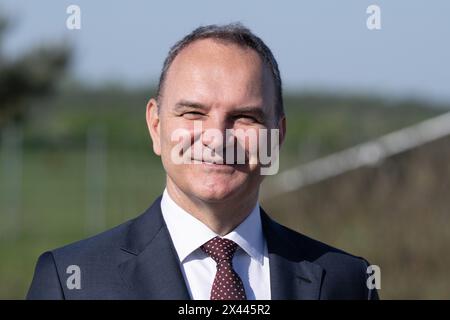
(206, 237)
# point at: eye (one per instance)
(246, 118)
(192, 115)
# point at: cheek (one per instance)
(169, 133)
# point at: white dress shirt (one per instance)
(251, 260)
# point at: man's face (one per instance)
(220, 86)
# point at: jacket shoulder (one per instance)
(101, 249)
(344, 274)
(46, 284)
(110, 237)
(81, 270)
(317, 250)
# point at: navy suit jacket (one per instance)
(137, 260)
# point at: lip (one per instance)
(212, 164)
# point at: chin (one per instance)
(214, 192)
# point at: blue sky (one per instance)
(319, 44)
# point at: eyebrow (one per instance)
(183, 104)
(256, 111)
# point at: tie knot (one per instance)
(220, 249)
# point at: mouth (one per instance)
(213, 163)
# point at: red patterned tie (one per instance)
(227, 285)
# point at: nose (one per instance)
(214, 131)
(214, 137)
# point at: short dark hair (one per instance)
(234, 33)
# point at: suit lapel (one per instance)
(292, 276)
(153, 271)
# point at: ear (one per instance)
(153, 124)
(282, 128)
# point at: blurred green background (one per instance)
(55, 204)
(76, 159)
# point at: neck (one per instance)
(221, 217)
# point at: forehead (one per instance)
(216, 51)
(218, 72)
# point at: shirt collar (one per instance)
(188, 233)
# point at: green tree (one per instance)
(33, 74)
